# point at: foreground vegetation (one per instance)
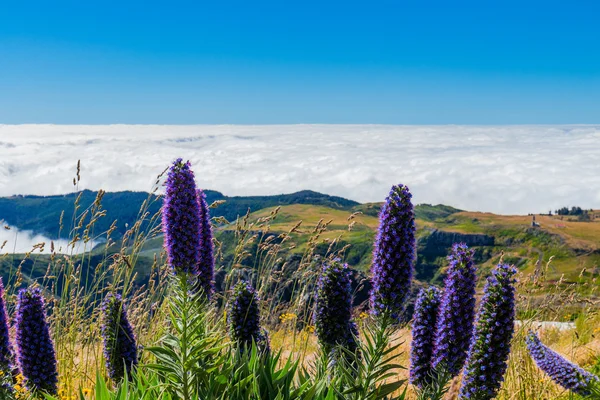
(233, 318)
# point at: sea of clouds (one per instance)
(14, 240)
(502, 169)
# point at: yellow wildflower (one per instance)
(287, 317)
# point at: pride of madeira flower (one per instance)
(333, 316)
(120, 349)
(206, 263)
(423, 334)
(6, 353)
(186, 226)
(35, 349)
(565, 373)
(394, 254)
(456, 314)
(243, 317)
(490, 345)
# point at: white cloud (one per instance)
(504, 169)
(13, 240)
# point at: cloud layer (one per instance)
(503, 169)
(14, 240)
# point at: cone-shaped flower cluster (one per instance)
(6, 354)
(490, 345)
(35, 354)
(205, 267)
(120, 349)
(393, 254)
(243, 317)
(423, 335)
(333, 316)
(181, 219)
(457, 312)
(565, 373)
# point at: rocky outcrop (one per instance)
(434, 246)
(438, 238)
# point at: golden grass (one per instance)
(523, 380)
(581, 235)
(310, 215)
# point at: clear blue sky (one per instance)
(284, 61)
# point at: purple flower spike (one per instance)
(423, 335)
(186, 227)
(490, 345)
(393, 254)
(205, 267)
(181, 217)
(6, 353)
(120, 349)
(35, 350)
(457, 312)
(565, 373)
(333, 316)
(243, 317)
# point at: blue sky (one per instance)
(271, 62)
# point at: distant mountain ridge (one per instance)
(41, 214)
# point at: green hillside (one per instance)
(322, 225)
(42, 214)
(569, 244)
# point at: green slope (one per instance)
(572, 245)
(42, 214)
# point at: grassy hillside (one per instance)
(573, 245)
(42, 214)
(323, 224)
(570, 245)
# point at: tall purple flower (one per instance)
(35, 349)
(6, 353)
(333, 316)
(206, 262)
(457, 312)
(243, 317)
(423, 335)
(393, 254)
(565, 373)
(490, 345)
(120, 349)
(181, 219)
